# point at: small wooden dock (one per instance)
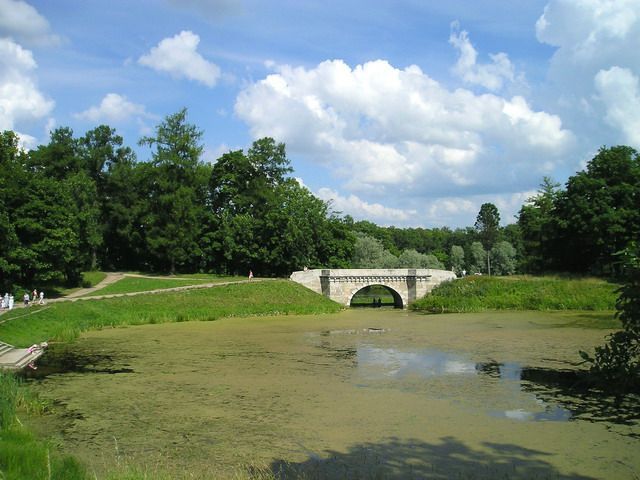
(12, 358)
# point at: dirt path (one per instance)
(115, 276)
(111, 277)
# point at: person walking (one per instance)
(250, 275)
(41, 302)
(11, 300)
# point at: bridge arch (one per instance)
(340, 285)
(398, 301)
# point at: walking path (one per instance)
(12, 358)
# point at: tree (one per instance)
(503, 257)
(456, 258)
(477, 258)
(368, 252)
(538, 227)
(12, 175)
(598, 213)
(412, 259)
(616, 365)
(175, 219)
(488, 227)
(265, 221)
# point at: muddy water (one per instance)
(362, 394)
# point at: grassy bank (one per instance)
(482, 293)
(64, 321)
(143, 284)
(23, 456)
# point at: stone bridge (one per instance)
(340, 285)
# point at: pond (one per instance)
(367, 393)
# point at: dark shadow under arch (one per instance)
(364, 297)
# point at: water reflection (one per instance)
(397, 364)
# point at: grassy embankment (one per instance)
(23, 456)
(143, 284)
(64, 321)
(482, 293)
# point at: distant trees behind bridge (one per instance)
(80, 203)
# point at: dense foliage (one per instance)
(77, 204)
(616, 364)
(82, 203)
(581, 228)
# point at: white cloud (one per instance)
(20, 98)
(178, 56)
(22, 22)
(359, 209)
(114, 108)
(386, 130)
(619, 90)
(590, 36)
(492, 75)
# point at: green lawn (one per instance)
(142, 284)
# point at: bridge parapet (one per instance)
(406, 284)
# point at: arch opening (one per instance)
(376, 295)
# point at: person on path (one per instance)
(6, 299)
(250, 275)
(11, 300)
(34, 295)
(41, 302)
(25, 299)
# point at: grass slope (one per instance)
(481, 293)
(143, 284)
(64, 321)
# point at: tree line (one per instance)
(77, 204)
(82, 203)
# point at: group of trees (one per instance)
(82, 203)
(582, 227)
(485, 248)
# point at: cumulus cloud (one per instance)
(178, 57)
(114, 108)
(619, 90)
(492, 75)
(20, 98)
(590, 36)
(388, 130)
(22, 22)
(359, 209)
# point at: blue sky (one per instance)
(406, 112)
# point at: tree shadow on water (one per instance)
(415, 459)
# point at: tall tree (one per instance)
(538, 226)
(174, 219)
(488, 227)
